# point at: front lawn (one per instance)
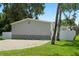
(62, 48)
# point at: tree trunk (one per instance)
(59, 24)
(76, 30)
(54, 34)
(74, 37)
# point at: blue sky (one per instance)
(49, 12)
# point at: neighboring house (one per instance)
(32, 29)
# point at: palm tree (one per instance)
(67, 8)
(59, 23)
(62, 9)
(55, 29)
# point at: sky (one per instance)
(50, 12)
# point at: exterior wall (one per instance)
(35, 37)
(67, 34)
(7, 35)
(31, 29)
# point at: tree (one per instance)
(70, 8)
(65, 22)
(56, 20)
(62, 8)
(71, 21)
(18, 11)
(38, 9)
(59, 23)
(70, 13)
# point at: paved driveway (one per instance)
(20, 44)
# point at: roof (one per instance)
(31, 20)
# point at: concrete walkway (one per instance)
(20, 44)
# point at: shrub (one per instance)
(1, 38)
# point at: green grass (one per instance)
(62, 48)
(77, 37)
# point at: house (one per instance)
(32, 29)
(36, 29)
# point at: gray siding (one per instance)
(31, 29)
(41, 37)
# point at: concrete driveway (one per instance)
(20, 44)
